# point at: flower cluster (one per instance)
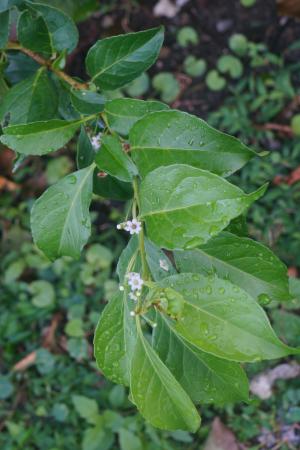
(133, 226)
(96, 141)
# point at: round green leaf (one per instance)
(231, 65)
(215, 81)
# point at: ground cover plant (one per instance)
(162, 312)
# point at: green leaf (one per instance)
(20, 67)
(93, 436)
(123, 113)
(194, 67)
(4, 28)
(85, 152)
(167, 85)
(184, 207)
(222, 319)
(39, 100)
(74, 328)
(187, 35)
(87, 102)
(43, 293)
(214, 81)
(159, 264)
(115, 61)
(33, 33)
(129, 441)
(168, 137)
(157, 394)
(238, 43)
(244, 262)
(231, 65)
(39, 138)
(86, 407)
(111, 158)
(139, 86)
(204, 377)
(114, 340)
(60, 219)
(112, 188)
(61, 28)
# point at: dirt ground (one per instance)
(214, 20)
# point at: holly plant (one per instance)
(189, 310)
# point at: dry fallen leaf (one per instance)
(220, 437)
(25, 362)
(8, 185)
(262, 384)
(168, 8)
(288, 8)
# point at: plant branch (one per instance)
(285, 129)
(145, 269)
(47, 63)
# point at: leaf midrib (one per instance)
(73, 201)
(104, 70)
(190, 348)
(158, 375)
(227, 264)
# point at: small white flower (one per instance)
(135, 281)
(154, 325)
(164, 265)
(136, 284)
(119, 226)
(134, 226)
(121, 288)
(132, 313)
(96, 141)
(133, 297)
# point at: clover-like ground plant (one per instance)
(189, 311)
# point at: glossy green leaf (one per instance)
(20, 67)
(87, 102)
(157, 394)
(115, 61)
(61, 28)
(111, 158)
(168, 137)
(112, 188)
(33, 33)
(39, 138)
(123, 113)
(159, 264)
(4, 28)
(39, 100)
(85, 152)
(220, 318)
(114, 340)
(60, 219)
(244, 262)
(204, 377)
(184, 207)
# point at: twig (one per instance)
(285, 129)
(47, 63)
